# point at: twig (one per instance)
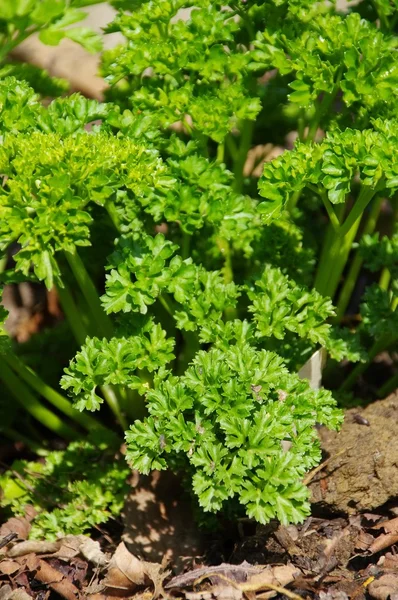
(251, 587)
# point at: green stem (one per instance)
(382, 344)
(112, 212)
(32, 405)
(111, 397)
(356, 264)
(388, 387)
(293, 200)
(186, 245)
(165, 302)
(220, 152)
(79, 330)
(89, 291)
(365, 196)
(231, 147)
(385, 278)
(54, 397)
(322, 108)
(339, 245)
(72, 314)
(246, 129)
(334, 219)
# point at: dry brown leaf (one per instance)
(390, 562)
(238, 573)
(73, 545)
(56, 581)
(385, 587)
(17, 595)
(280, 575)
(33, 546)
(383, 541)
(19, 525)
(129, 565)
(364, 541)
(5, 592)
(390, 526)
(92, 552)
(8, 567)
(126, 572)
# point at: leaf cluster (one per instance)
(73, 490)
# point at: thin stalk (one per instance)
(3, 263)
(293, 200)
(80, 332)
(112, 212)
(382, 344)
(385, 278)
(166, 303)
(334, 219)
(322, 108)
(388, 387)
(231, 147)
(51, 395)
(356, 264)
(244, 147)
(112, 399)
(89, 291)
(220, 152)
(186, 244)
(32, 405)
(72, 314)
(334, 261)
(365, 196)
(340, 242)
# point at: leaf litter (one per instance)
(334, 555)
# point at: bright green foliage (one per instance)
(141, 272)
(380, 253)
(116, 362)
(330, 168)
(193, 293)
(21, 18)
(225, 419)
(329, 54)
(44, 204)
(195, 63)
(73, 490)
(379, 313)
(280, 304)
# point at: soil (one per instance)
(362, 473)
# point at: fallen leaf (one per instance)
(383, 541)
(390, 562)
(56, 581)
(129, 565)
(390, 526)
(92, 552)
(238, 573)
(19, 525)
(33, 546)
(126, 572)
(8, 567)
(364, 541)
(385, 587)
(18, 595)
(73, 545)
